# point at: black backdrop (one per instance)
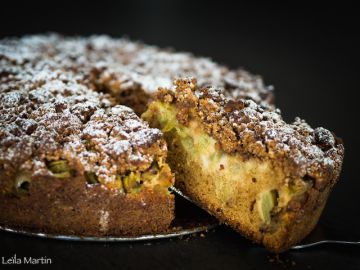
(310, 54)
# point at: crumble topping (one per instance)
(120, 65)
(253, 130)
(42, 120)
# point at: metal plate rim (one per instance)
(179, 233)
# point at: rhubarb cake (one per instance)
(75, 158)
(244, 164)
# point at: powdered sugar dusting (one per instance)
(125, 64)
(49, 111)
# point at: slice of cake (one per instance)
(241, 162)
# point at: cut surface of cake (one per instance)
(241, 162)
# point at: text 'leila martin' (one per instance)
(25, 260)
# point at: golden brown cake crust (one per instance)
(252, 130)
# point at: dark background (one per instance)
(309, 53)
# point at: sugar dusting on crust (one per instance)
(48, 114)
(127, 65)
(248, 128)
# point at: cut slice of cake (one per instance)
(241, 162)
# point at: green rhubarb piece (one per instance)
(267, 202)
(167, 117)
(164, 114)
(91, 178)
(132, 182)
(59, 168)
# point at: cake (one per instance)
(244, 164)
(76, 158)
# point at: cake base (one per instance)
(69, 206)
